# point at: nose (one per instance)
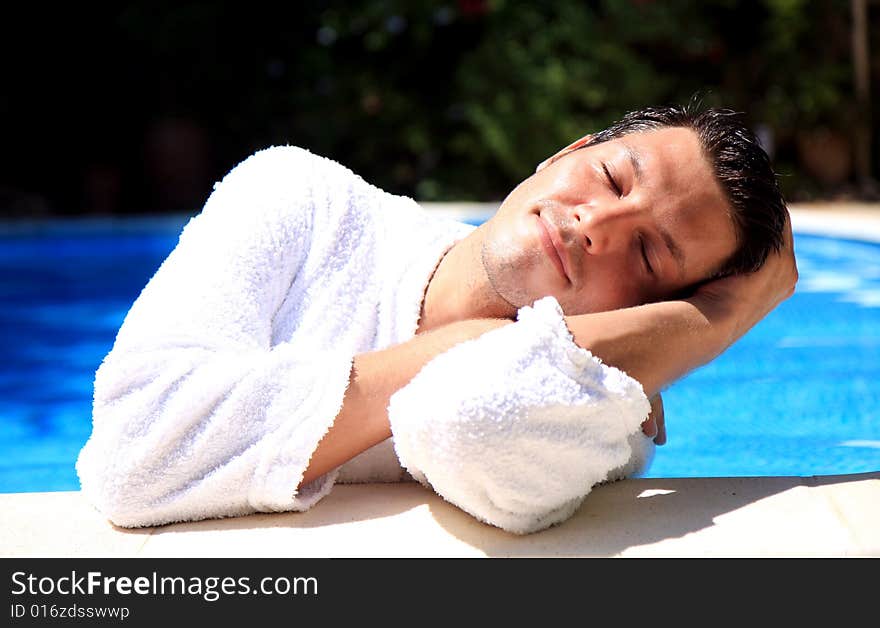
(607, 227)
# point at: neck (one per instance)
(460, 289)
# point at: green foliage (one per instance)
(460, 100)
(808, 73)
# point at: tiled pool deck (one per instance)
(824, 516)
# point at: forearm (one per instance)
(375, 376)
(656, 343)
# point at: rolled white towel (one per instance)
(517, 426)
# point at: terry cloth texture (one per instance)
(233, 362)
(533, 424)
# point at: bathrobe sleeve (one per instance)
(197, 413)
(516, 427)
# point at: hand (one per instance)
(655, 425)
(738, 302)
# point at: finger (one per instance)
(658, 413)
(654, 426)
(649, 427)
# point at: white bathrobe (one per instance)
(232, 364)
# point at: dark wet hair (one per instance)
(741, 166)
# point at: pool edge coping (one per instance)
(777, 516)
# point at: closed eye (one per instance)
(611, 181)
(645, 255)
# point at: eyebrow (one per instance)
(635, 160)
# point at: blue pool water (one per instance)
(798, 395)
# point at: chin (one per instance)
(516, 274)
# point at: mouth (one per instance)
(553, 246)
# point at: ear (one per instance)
(570, 148)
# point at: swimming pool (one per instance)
(798, 395)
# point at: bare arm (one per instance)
(655, 343)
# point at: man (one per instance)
(306, 318)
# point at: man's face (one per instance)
(618, 224)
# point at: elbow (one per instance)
(520, 473)
(116, 486)
(114, 496)
(119, 471)
(127, 468)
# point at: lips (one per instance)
(553, 246)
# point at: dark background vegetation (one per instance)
(140, 107)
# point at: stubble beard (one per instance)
(504, 264)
